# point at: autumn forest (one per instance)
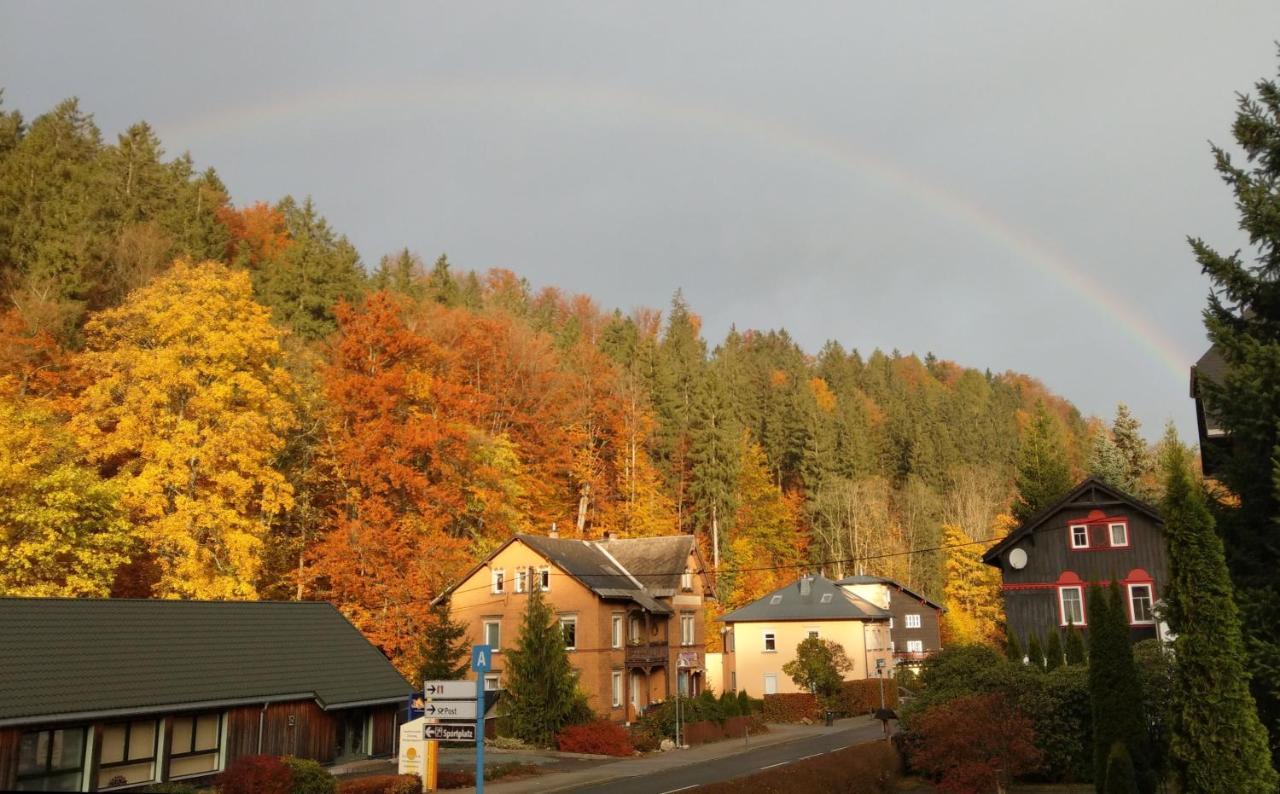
(204, 400)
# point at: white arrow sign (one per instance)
(449, 690)
(450, 710)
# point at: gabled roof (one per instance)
(68, 658)
(825, 600)
(891, 583)
(656, 562)
(1090, 493)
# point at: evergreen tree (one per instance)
(1107, 463)
(714, 458)
(1115, 693)
(1217, 743)
(541, 687)
(1074, 651)
(1126, 430)
(1121, 776)
(1043, 472)
(1243, 321)
(441, 285)
(1012, 650)
(1053, 651)
(1035, 652)
(402, 274)
(444, 652)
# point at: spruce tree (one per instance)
(1217, 742)
(1053, 651)
(715, 461)
(1012, 650)
(1035, 652)
(1074, 651)
(1243, 323)
(1115, 693)
(1043, 472)
(443, 650)
(541, 687)
(1107, 463)
(1126, 431)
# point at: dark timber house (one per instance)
(1214, 442)
(1093, 535)
(98, 695)
(915, 622)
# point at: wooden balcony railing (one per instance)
(648, 653)
(911, 656)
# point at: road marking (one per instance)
(682, 788)
(771, 766)
(807, 757)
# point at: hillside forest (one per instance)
(203, 400)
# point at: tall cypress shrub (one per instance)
(1012, 650)
(1053, 651)
(541, 693)
(1035, 652)
(1115, 693)
(1075, 645)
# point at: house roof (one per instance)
(891, 583)
(65, 658)
(656, 562)
(1090, 493)
(825, 600)
(1210, 366)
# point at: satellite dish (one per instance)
(1018, 558)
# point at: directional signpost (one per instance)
(452, 711)
(481, 661)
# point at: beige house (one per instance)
(762, 636)
(631, 611)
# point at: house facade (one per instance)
(99, 695)
(1215, 444)
(915, 622)
(762, 636)
(631, 611)
(1095, 534)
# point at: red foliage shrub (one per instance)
(599, 737)
(871, 768)
(382, 784)
(256, 774)
(863, 696)
(973, 743)
(791, 707)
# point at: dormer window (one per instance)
(776, 600)
(1119, 534)
(1079, 536)
(826, 598)
(686, 581)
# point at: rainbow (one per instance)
(322, 104)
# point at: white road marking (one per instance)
(682, 788)
(771, 766)
(807, 757)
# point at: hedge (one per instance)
(696, 733)
(872, 768)
(863, 696)
(790, 707)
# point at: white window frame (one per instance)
(494, 679)
(733, 680)
(567, 619)
(522, 579)
(770, 677)
(770, 638)
(891, 623)
(1111, 534)
(913, 621)
(1071, 534)
(494, 647)
(616, 631)
(615, 683)
(915, 646)
(544, 578)
(497, 581)
(687, 629)
(1062, 606)
(686, 581)
(729, 643)
(1151, 598)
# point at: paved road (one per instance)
(744, 763)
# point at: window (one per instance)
(616, 633)
(522, 579)
(891, 623)
(569, 627)
(544, 578)
(733, 680)
(128, 753)
(770, 642)
(493, 635)
(776, 600)
(686, 629)
(195, 744)
(682, 683)
(913, 621)
(1079, 536)
(813, 634)
(497, 580)
(915, 646)
(826, 598)
(771, 683)
(686, 580)
(491, 682)
(1072, 602)
(1140, 603)
(729, 641)
(1119, 534)
(51, 760)
(616, 681)
(637, 629)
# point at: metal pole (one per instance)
(880, 675)
(480, 727)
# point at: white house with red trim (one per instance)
(1093, 535)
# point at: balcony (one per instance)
(910, 657)
(648, 654)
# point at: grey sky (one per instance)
(1008, 185)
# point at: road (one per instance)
(744, 763)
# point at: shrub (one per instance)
(382, 784)
(863, 696)
(791, 707)
(309, 777)
(744, 703)
(729, 705)
(645, 737)
(171, 788)
(872, 768)
(599, 737)
(975, 744)
(256, 774)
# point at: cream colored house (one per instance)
(762, 636)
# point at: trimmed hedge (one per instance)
(790, 707)
(599, 737)
(696, 733)
(863, 696)
(382, 784)
(872, 768)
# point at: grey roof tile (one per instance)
(794, 604)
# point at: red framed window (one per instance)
(1071, 605)
(1118, 534)
(1079, 536)
(1098, 532)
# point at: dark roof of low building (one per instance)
(862, 579)
(825, 600)
(1211, 366)
(1090, 493)
(67, 658)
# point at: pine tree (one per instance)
(1043, 472)
(541, 687)
(1012, 650)
(1035, 652)
(443, 650)
(714, 458)
(402, 273)
(1243, 321)
(1074, 646)
(1107, 463)
(1126, 430)
(1115, 692)
(441, 285)
(1217, 743)
(1053, 651)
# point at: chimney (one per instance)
(554, 533)
(806, 585)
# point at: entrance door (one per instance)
(352, 734)
(770, 683)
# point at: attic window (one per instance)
(776, 600)
(826, 598)
(686, 580)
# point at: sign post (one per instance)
(481, 658)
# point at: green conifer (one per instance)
(1043, 472)
(443, 650)
(1115, 693)
(1012, 650)
(1074, 651)
(541, 686)
(1035, 652)
(1053, 651)
(1121, 778)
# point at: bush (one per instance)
(382, 784)
(256, 774)
(309, 777)
(872, 768)
(171, 788)
(599, 737)
(791, 707)
(974, 744)
(863, 697)
(645, 737)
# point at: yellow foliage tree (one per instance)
(974, 608)
(187, 413)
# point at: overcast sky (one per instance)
(1008, 185)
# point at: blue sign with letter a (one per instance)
(481, 658)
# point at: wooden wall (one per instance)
(314, 733)
(9, 738)
(930, 632)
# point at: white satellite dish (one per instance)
(1018, 558)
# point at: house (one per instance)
(762, 636)
(100, 694)
(915, 622)
(1215, 444)
(1093, 535)
(631, 611)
